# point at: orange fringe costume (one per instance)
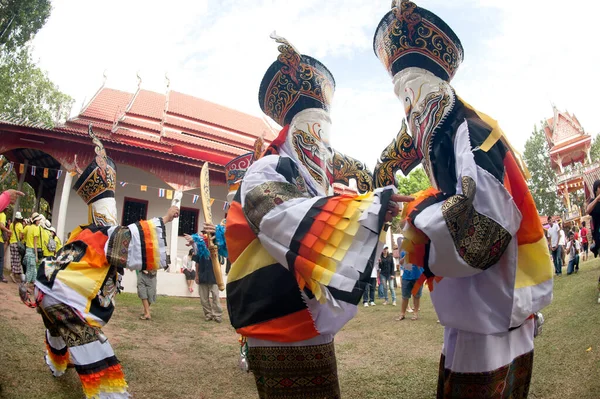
(75, 290)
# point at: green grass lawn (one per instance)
(179, 355)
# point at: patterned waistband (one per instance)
(295, 372)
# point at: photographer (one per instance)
(573, 249)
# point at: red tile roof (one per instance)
(199, 109)
(174, 123)
(148, 104)
(107, 105)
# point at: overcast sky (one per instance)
(520, 57)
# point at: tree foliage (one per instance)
(20, 20)
(27, 93)
(595, 149)
(542, 183)
(416, 181)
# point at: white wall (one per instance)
(77, 209)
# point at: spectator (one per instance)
(553, 231)
(15, 254)
(584, 241)
(4, 236)
(146, 288)
(573, 251)
(205, 276)
(400, 271)
(32, 247)
(594, 211)
(49, 246)
(410, 275)
(55, 237)
(386, 273)
(189, 269)
(562, 242)
(370, 289)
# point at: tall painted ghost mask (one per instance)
(422, 54)
(96, 186)
(296, 92)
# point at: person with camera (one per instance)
(573, 250)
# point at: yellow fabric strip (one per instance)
(83, 279)
(495, 135)
(254, 257)
(534, 264)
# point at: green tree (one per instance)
(20, 20)
(542, 183)
(27, 93)
(416, 181)
(595, 149)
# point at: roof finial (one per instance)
(167, 80)
(139, 78)
(104, 77)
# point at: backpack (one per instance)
(51, 245)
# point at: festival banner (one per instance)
(21, 168)
(33, 168)
(45, 173)
(169, 194)
(161, 192)
(195, 198)
(58, 174)
(143, 188)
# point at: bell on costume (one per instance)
(411, 36)
(293, 83)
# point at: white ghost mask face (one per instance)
(308, 143)
(427, 101)
(104, 212)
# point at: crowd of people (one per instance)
(568, 246)
(26, 241)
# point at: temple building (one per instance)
(159, 142)
(575, 172)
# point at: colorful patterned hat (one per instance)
(411, 36)
(234, 172)
(293, 83)
(99, 178)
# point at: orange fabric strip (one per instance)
(298, 326)
(238, 233)
(149, 248)
(96, 240)
(531, 229)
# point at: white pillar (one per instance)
(64, 203)
(177, 195)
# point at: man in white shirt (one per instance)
(554, 232)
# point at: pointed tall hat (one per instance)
(293, 83)
(411, 36)
(99, 178)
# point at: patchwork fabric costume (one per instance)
(75, 290)
(299, 254)
(476, 233)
